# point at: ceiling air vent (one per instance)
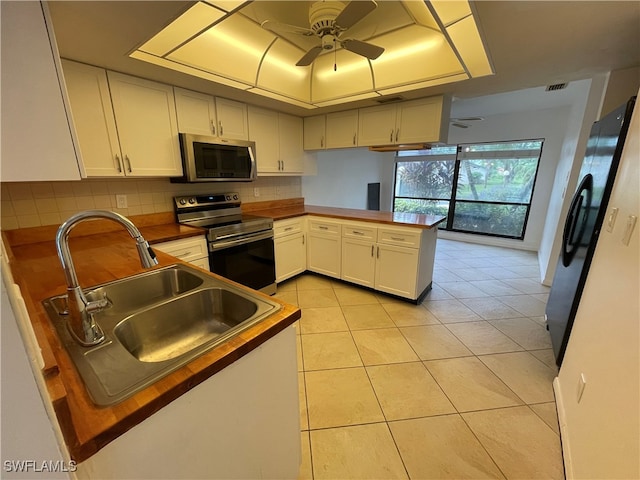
(557, 86)
(389, 99)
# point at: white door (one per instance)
(291, 256)
(397, 270)
(290, 139)
(358, 261)
(232, 119)
(196, 112)
(323, 254)
(263, 128)
(342, 129)
(377, 125)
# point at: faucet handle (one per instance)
(98, 305)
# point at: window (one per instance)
(482, 188)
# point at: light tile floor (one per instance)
(457, 387)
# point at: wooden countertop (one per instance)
(102, 256)
(296, 207)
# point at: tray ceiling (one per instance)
(425, 44)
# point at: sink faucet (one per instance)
(80, 321)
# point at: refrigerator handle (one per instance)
(570, 241)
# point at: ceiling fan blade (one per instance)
(353, 13)
(362, 48)
(309, 57)
(278, 27)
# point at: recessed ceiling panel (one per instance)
(413, 54)
(198, 17)
(233, 48)
(466, 38)
(278, 74)
(421, 13)
(351, 76)
(450, 11)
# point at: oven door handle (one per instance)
(244, 239)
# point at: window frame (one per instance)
(458, 158)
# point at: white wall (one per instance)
(581, 117)
(343, 176)
(601, 432)
(548, 124)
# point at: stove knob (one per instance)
(228, 197)
(235, 197)
(192, 200)
(182, 201)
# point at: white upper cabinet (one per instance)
(278, 138)
(342, 129)
(291, 140)
(147, 126)
(314, 132)
(93, 118)
(37, 132)
(263, 129)
(232, 119)
(408, 122)
(196, 112)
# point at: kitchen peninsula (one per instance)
(206, 418)
(390, 252)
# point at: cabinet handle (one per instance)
(322, 227)
(185, 254)
(398, 239)
(118, 164)
(378, 252)
(372, 246)
(288, 228)
(303, 239)
(322, 141)
(213, 127)
(391, 136)
(128, 162)
(354, 138)
(356, 232)
(220, 127)
(397, 134)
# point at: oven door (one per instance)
(246, 259)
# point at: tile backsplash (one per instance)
(35, 204)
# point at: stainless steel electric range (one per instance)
(240, 246)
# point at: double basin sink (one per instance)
(156, 322)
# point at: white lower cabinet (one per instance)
(394, 260)
(290, 248)
(324, 249)
(192, 250)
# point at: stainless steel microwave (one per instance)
(213, 159)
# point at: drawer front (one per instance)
(186, 249)
(403, 238)
(287, 227)
(361, 231)
(328, 228)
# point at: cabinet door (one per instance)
(93, 118)
(397, 270)
(232, 119)
(324, 254)
(290, 139)
(314, 132)
(420, 121)
(377, 125)
(263, 128)
(196, 112)
(342, 129)
(358, 261)
(291, 256)
(37, 140)
(147, 126)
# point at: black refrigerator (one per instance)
(584, 221)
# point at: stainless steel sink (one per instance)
(157, 322)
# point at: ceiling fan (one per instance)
(328, 20)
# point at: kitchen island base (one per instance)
(241, 423)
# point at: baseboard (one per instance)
(564, 434)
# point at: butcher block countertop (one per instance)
(291, 208)
(103, 251)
